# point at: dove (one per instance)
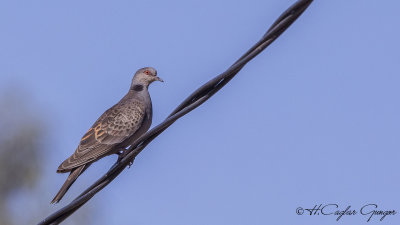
(114, 130)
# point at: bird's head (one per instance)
(145, 76)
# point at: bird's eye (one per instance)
(147, 72)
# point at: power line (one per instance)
(197, 98)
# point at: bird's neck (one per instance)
(139, 90)
(139, 86)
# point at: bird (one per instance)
(114, 130)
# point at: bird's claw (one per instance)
(122, 154)
(130, 164)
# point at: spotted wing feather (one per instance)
(113, 127)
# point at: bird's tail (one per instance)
(67, 184)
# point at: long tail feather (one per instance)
(67, 184)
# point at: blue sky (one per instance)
(312, 120)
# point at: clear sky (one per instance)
(312, 120)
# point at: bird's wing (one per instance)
(113, 127)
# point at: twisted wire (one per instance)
(197, 98)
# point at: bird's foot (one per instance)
(121, 154)
(130, 163)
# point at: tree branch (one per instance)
(197, 98)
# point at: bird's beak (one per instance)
(159, 79)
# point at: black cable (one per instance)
(197, 98)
